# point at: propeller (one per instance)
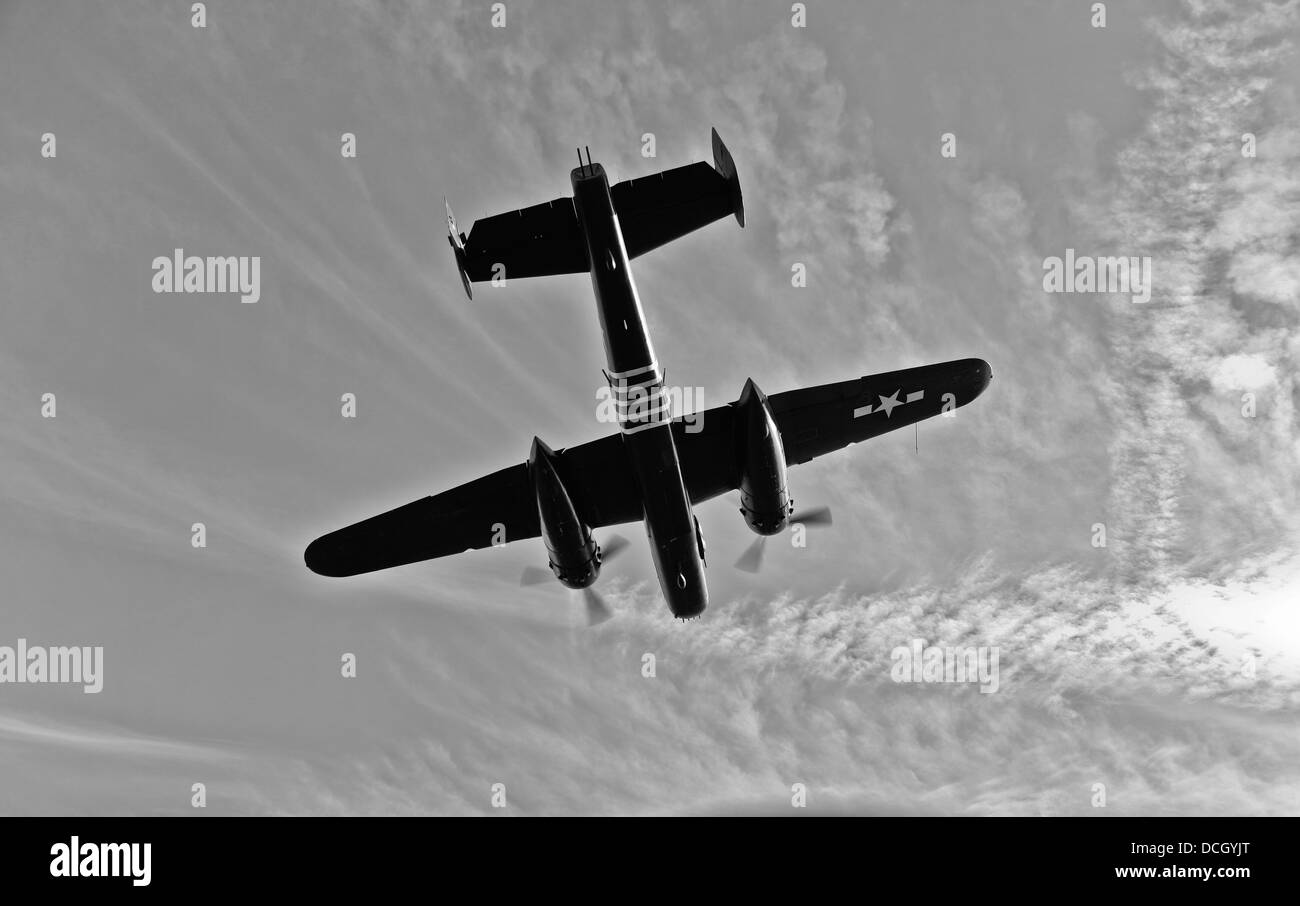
(614, 546)
(818, 515)
(535, 575)
(598, 611)
(751, 561)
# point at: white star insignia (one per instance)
(889, 402)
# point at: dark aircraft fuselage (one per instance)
(643, 406)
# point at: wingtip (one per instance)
(983, 376)
(317, 558)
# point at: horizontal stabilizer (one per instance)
(533, 242)
(655, 210)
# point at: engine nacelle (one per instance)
(573, 554)
(761, 458)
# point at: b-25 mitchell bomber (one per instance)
(653, 470)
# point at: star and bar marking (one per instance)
(888, 403)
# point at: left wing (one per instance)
(497, 508)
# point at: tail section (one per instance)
(533, 242)
(457, 243)
(726, 168)
(655, 210)
(548, 239)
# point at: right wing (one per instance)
(814, 421)
(498, 508)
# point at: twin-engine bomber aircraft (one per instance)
(653, 470)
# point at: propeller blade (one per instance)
(612, 547)
(820, 515)
(535, 575)
(752, 559)
(597, 610)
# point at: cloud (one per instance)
(102, 742)
(1143, 693)
(1183, 194)
(1243, 372)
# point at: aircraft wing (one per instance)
(814, 421)
(475, 515)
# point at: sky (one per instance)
(1164, 666)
